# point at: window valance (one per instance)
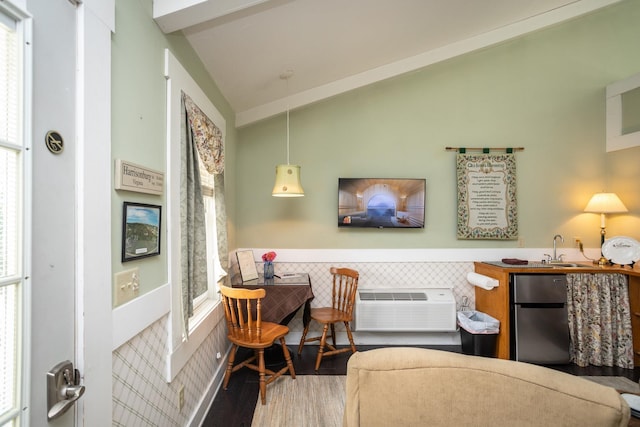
(207, 136)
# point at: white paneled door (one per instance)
(53, 279)
(55, 217)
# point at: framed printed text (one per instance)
(487, 205)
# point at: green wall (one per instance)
(631, 111)
(139, 119)
(544, 91)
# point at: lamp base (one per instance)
(602, 261)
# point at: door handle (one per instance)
(63, 389)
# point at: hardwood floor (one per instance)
(234, 407)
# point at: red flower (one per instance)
(269, 256)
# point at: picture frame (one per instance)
(141, 230)
(487, 202)
(247, 265)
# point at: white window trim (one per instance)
(210, 313)
(616, 140)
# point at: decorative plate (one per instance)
(621, 250)
(632, 400)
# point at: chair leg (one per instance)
(353, 346)
(287, 357)
(227, 374)
(304, 336)
(323, 341)
(333, 334)
(263, 384)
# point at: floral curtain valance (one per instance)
(207, 137)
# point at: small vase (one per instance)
(268, 270)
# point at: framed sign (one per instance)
(132, 177)
(140, 230)
(487, 205)
(248, 270)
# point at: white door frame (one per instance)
(96, 21)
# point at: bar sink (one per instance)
(556, 265)
(549, 265)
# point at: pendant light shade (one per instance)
(287, 182)
(287, 176)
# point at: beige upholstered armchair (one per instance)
(419, 387)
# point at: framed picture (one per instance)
(487, 203)
(248, 270)
(140, 230)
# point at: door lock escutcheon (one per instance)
(63, 389)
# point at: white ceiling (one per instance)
(333, 46)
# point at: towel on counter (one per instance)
(515, 261)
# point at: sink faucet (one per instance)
(555, 257)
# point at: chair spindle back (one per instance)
(243, 310)
(345, 285)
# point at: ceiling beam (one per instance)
(176, 15)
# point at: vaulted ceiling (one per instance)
(332, 46)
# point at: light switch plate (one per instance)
(127, 286)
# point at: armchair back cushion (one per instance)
(420, 387)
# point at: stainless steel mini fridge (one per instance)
(540, 327)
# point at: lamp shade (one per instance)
(605, 203)
(287, 182)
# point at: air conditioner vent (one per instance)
(393, 296)
(431, 309)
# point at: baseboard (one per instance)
(388, 338)
(204, 406)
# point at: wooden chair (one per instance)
(345, 285)
(243, 312)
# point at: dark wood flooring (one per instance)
(234, 407)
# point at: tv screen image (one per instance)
(381, 202)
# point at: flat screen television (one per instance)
(381, 202)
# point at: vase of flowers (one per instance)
(268, 264)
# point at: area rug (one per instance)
(307, 401)
(619, 383)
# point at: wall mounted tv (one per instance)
(381, 202)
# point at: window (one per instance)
(209, 312)
(13, 162)
(215, 271)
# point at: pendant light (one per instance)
(287, 176)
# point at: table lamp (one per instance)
(604, 203)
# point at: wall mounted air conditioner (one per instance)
(423, 310)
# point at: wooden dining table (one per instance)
(285, 295)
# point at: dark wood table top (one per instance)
(284, 296)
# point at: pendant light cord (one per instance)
(288, 128)
(286, 76)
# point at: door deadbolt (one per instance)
(63, 389)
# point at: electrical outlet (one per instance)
(181, 397)
(521, 242)
(577, 241)
(127, 286)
